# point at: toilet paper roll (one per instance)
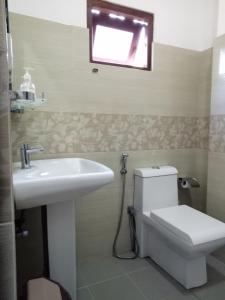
(185, 184)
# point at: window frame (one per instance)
(130, 13)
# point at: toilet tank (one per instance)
(155, 188)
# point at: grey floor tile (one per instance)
(215, 292)
(84, 294)
(95, 270)
(120, 288)
(181, 297)
(214, 276)
(215, 287)
(220, 254)
(107, 280)
(132, 265)
(216, 264)
(157, 284)
(81, 282)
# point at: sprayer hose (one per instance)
(133, 236)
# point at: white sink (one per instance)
(55, 180)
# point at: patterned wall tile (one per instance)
(85, 132)
(217, 134)
(202, 134)
(56, 132)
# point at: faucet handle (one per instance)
(31, 149)
(34, 149)
(24, 146)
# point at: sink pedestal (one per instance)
(62, 245)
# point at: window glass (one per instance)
(111, 45)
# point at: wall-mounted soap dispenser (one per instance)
(27, 88)
(26, 95)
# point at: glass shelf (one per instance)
(19, 105)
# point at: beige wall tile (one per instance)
(216, 160)
(97, 213)
(7, 242)
(4, 103)
(158, 117)
(6, 202)
(7, 259)
(215, 185)
(6, 205)
(218, 81)
(205, 82)
(2, 26)
(60, 56)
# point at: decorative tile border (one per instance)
(85, 132)
(217, 134)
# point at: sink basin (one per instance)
(55, 180)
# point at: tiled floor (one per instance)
(142, 279)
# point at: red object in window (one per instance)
(119, 35)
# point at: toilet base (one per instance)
(189, 272)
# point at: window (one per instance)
(119, 35)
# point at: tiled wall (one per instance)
(7, 242)
(159, 117)
(84, 132)
(216, 170)
(215, 200)
(216, 157)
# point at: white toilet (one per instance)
(177, 238)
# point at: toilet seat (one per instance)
(189, 225)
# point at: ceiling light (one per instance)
(95, 11)
(114, 16)
(141, 22)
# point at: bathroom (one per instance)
(169, 113)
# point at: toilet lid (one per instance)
(189, 224)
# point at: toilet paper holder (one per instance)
(188, 182)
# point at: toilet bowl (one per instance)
(177, 238)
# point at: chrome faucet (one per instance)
(25, 151)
